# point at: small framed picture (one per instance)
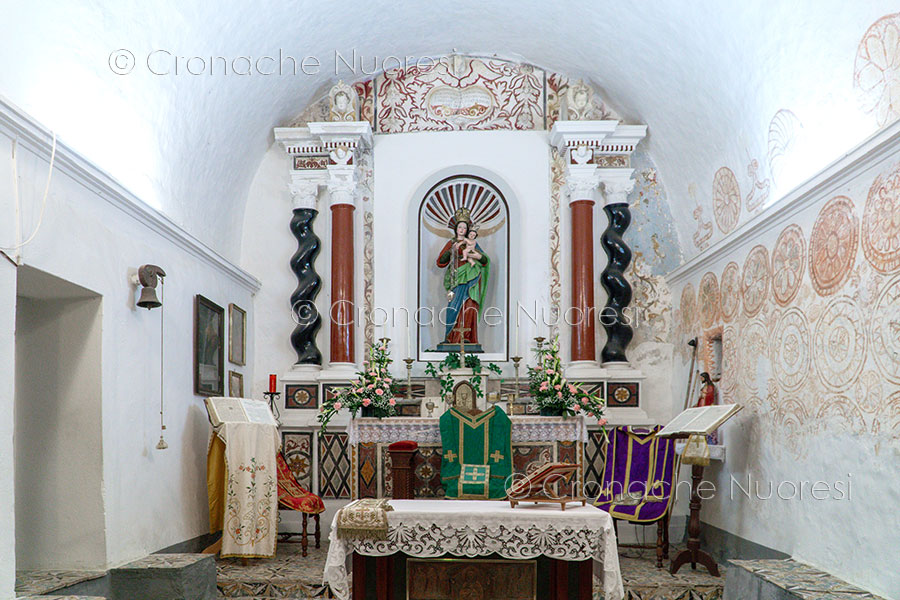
(209, 353)
(237, 335)
(235, 384)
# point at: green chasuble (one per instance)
(477, 454)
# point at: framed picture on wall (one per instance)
(237, 335)
(235, 384)
(209, 351)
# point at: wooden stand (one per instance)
(694, 554)
(547, 500)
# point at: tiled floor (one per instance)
(289, 576)
(36, 583)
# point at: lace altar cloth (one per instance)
(470, 528)
(426, 430)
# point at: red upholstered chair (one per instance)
(402, 455)
(292, 496)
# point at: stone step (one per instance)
(787, 580)
(60, 598)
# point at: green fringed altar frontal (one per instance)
(477, 454)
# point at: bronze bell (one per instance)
(148, 298)
(147, 276)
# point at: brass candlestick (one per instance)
(409, 364)
(516, 360)
(540, 342)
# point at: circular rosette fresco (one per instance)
(730, 292)
(709, 300)
(884, 331)
(839, 344)
(754, 345)
(688, 303)
(877, 69)
(755, 280)
(788, 264)
(790, 349)
(881, 223)
(726, 200)
(730, 362)
(832, 245)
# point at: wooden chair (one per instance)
(402, 472)
(638, 483)
(293, 496)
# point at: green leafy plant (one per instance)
(374, 387)
(550, 391)
(442, 372)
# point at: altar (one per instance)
(554, 550)
(535, 440)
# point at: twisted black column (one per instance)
(618, 290)
(308, 320)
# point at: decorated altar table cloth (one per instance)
(470, 528)
(242, 485)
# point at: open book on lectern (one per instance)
(238, 410)
(701, 420)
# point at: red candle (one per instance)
(272, 383)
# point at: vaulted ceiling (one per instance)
(707, 77)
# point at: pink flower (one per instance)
(359, 390)
(559, 394)
(571, 388)
(392, 402)
(584, 402)
(557, 387)
(372, 373)
(366, 402)
(544, 386)
(577, 408)
(539, 368)
(388, 380)
(550, 371)
(371, 386)
(602, 422)
(337, 406)
(380, 392)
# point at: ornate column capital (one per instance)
(616, 183)
(305, 190)
(342, 184)
(581, 181)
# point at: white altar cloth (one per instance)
(470, 528)
(426, 430)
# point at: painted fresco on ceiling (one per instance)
(651, 235)
(811, 331)
(463, 93)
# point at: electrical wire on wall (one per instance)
(162, 445)
(18, 204)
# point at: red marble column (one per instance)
(342, 308)
(582, 315)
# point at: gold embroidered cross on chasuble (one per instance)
(477, 454)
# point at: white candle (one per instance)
(517, 339)
(409, 348)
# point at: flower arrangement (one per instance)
(452, 361)
(553, 394)
(373, 389)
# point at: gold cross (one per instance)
(497, 456)
(450, 455)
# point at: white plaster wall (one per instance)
(407, 165)
(855, 538)
(60, 520)
(7, 404)
(152, 498)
